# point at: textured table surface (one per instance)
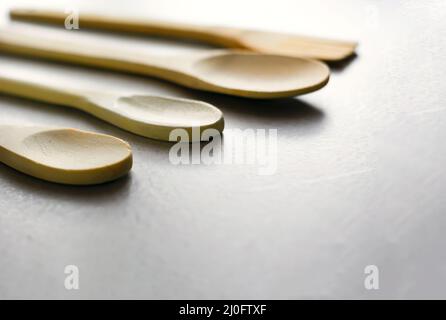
(360, 179)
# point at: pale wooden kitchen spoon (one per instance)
(148, 116)
(258, 41)
(242, 74)
(62, 155)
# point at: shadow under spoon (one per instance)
(149, 116)
(237, 73)
(63, 155)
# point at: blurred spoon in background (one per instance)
(254, 40)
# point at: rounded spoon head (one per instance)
(255, 75)
(67, 156)
(155, 117)
(296, 46)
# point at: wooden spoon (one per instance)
(148, 116)
(61, 155)
(258, 41)
(242, 74)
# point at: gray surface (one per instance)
(361, 174)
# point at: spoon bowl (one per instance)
(153, 116)
(169, 112)
(62, 155)
(261, 76)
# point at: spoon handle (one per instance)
(58, 96)
(38, 92)
(83, 53)
(100, 105)
(220, 36)
(89, 102)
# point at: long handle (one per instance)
(267, 42)
(221, 36)
(39, 92)
(84, 101)
(107, 57)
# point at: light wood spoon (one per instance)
(67, 156)
(242, 74)
(149, 116)
(258, 41)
